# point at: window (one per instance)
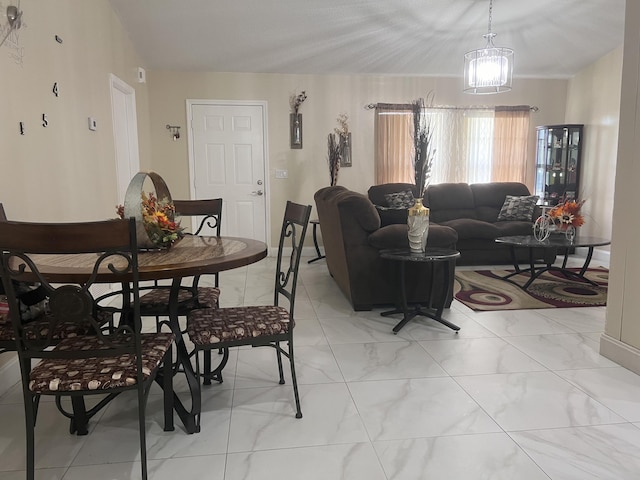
(472, 145)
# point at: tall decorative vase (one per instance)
(418, 223)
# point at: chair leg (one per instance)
(80, 420)
(207, 367)
(294, 381)
(143, 432)
(279, 357)
(167, 387)
(30, 427)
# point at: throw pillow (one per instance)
(400, 200)
(518, 208)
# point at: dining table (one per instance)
(190, 256)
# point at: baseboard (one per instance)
(621, 353)
(9, 372)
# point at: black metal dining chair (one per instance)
(155, 300)
(101, 361)
(260, 325)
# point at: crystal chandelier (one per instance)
(488, 69)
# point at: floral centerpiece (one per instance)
(158, 219)
(567, 215)
(296, 101)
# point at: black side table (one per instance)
(431, 255)
(319, 255)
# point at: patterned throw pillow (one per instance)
(400, 200)
(518, 208)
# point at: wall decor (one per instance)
(21, 128)
(344, 136)
(295, 119)
(175, 131)
(55, 89)
(45, 120)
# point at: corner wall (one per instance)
(63, 172)
(593, 99)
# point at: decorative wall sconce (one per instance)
(175, 131)
(295, 119)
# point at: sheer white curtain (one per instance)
(472, 145)
(463, 143)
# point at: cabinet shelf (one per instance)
(558, 152)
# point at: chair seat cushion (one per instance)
(216, 326)
(97, 373)
(39, 327)
(158, 298)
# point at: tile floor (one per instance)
(515, 395)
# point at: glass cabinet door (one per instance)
(557, 163)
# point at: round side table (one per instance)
(444, 256)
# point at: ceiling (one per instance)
(551, 38)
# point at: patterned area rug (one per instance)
(485, 290)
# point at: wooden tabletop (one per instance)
(192, 255)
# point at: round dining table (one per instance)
(190, 256)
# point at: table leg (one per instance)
(189, 418)
(319, 255)
(433, 313)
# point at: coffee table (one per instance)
(554, 241)
(442, 256)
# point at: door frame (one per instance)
(116, 83)
(265, 145)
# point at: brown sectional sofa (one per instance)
(353, 237)
(472, 211)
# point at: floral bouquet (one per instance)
(567, 214)
(158, 218)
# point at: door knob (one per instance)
(258, 193)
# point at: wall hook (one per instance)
(175, 131)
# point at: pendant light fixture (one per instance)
(488, 69)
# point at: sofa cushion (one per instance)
(395, 236)
(391, 216)
(514, 228)
(472, 228)
(400, 200)
(518, 208)
(449, 201)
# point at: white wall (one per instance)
(593, 99)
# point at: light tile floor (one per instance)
(515, 395)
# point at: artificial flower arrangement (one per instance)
(158, 218)
(296, 101)
(567, 214)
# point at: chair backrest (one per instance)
(210, 210)
(111, 243)
(294, 229)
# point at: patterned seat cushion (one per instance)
(41, 327)
(98, 373)
(215, 326)
(158, 298)
(6, 329)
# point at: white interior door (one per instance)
(125, 133)
(228, 161)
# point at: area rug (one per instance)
(485, 290)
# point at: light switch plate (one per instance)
(282, 173)
(93, 125)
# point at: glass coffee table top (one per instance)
(554, 240)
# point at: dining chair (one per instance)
(262, 325)
(104, 361)
(155, 302)
(32, 300)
